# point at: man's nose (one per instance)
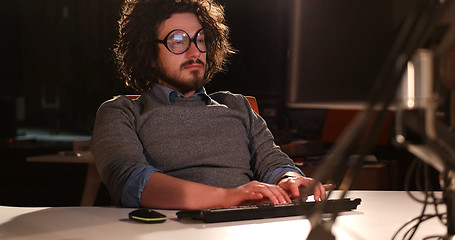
(193, 51)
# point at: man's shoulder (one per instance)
(121, 102)
(231, 100)
(226, 97)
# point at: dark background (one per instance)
(57, 69)
(57, 64)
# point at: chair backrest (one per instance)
(130, 96)
(253, 103)
(251, 100)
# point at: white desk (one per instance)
(92, 178)
(379, 216)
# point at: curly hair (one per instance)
(135, 52)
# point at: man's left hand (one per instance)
(293, 185)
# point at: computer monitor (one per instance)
(338, 48)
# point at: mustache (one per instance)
(190, 62)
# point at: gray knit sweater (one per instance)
(219, 142)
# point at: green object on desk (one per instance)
(147, 216)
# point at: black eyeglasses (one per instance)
(178, 41)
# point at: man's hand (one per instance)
(255, 193)
(293, 185)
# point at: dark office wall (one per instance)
(9, 68)
(65, 61)
(259, 33)
(342, 47)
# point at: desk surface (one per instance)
(379, 216)
(64, 157)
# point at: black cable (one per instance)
(431, 237)
(417, 168)
(402, 227)
(438, 202)
(424, 218)
(420, 219)
(428, 194)
(436, 210)
(420, 167)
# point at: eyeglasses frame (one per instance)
(192, 40)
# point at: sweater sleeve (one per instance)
(132, 192)
(116, 147)
(266, 155)
(272, 176)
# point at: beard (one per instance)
(184, 85)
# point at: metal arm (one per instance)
(418, 129)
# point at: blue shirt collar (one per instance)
(171, 94)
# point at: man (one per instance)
(176, 147)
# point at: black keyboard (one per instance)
(269, 210)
